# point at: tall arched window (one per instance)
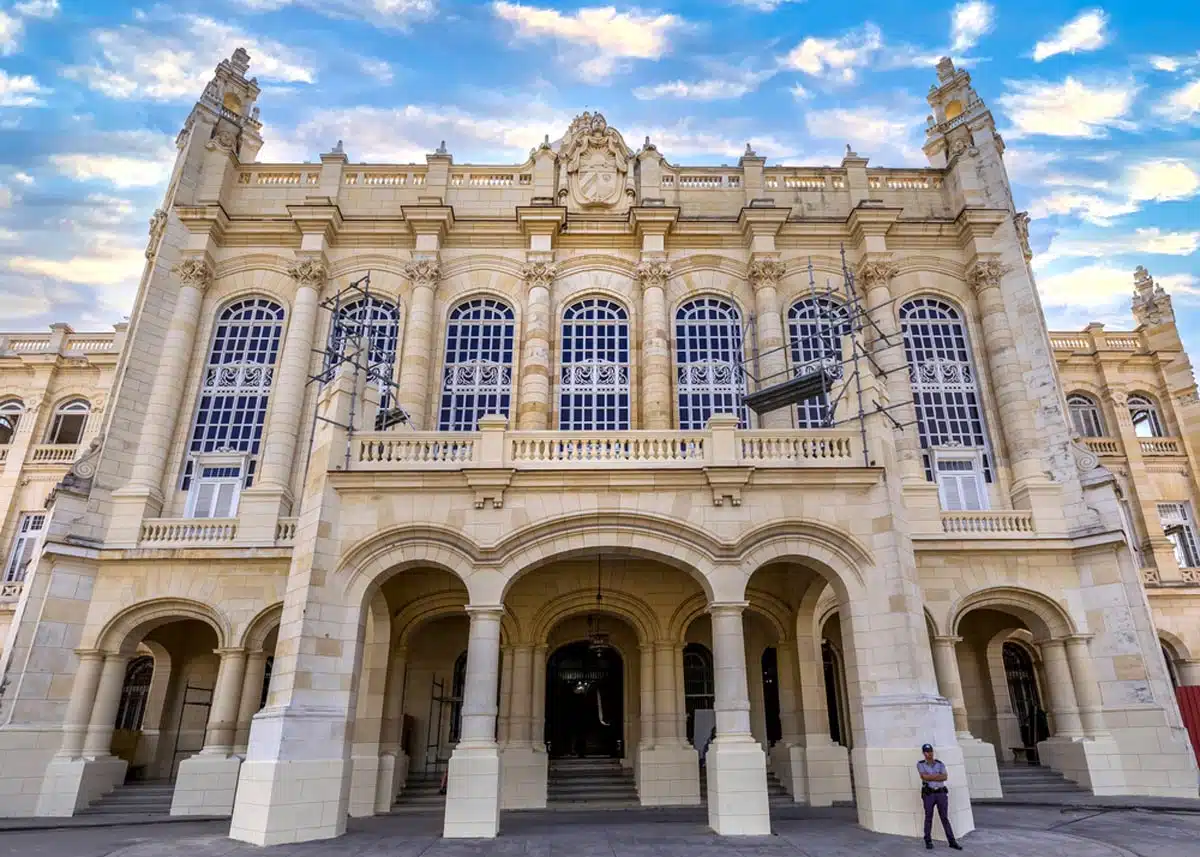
(698, 683)
(594, 380)
(1085, 415)
(70, 418)
(236, 385)
(10, 416)
(458, 689)
(134, 693)
(1023, 693)
(708, 359)
(816, 326)
(947, 403)
(378, 320)
(477, 380)
(1144, 413)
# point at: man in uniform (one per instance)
(934, 793)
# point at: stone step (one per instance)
(134, 799)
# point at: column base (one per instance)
(364, 784)
(259, 511)
(70, 785)
(473, 793)
(206, 785)
(737, 788)
(818, 774)
(669, 776)
(524, 771)
(1094, 763)
(983, 776)
(25, 755)
(393, 768)
(888, 791)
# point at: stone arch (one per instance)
(685, 614)
(261, 626)
(125, 630)
(426, 609)
(598, 262)
(833, 553)
(697, 262)
(931, 264)
(934, 629)
(774, 611)
(564, 302)
(251, 262)
(1175, 645)
(738, 302)
(268, 289)
(483, 262)
(1044, 617)
(633, 610)
(362, 263)
(389, 552)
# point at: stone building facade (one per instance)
(529, 517)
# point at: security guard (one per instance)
(935, 793)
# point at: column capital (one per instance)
(309, 271)
(728, 607)
(653, 272)
(423, 272)
(229, 651)
(986, 273)
(1076, 639)
(194, 271)
(485, 611)
(539, 272)
(947, 640)
(92, 654)
(766, 272)
(875, 271)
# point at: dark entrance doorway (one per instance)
(1023, 693)
(584, 701)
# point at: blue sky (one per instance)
(1099, 106)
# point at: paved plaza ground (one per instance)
(799, 832)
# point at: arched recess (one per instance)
(427, 608)
(633, 610)
(1044, 617)
(123, 632)
(383, 555)
(255, 636)
(1175, 645)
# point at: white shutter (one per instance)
(951, 493)
(202, 505)
(226, 496)
(28, 535)
(960, 482)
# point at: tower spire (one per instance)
(227, 110)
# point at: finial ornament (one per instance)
(441, 149)
(766, 272)
(872, 273)
(1021, 222)
(986, 273)
(1151, 303)
(423, 272)
(654, 273)
(158, 225)
(308, 272)
(194, 272)
(539, 273)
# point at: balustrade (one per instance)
(188, 531)
(988, 523)
(54, 453)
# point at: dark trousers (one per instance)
(941, 800)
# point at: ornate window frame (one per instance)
(1144, 414)
(69, 422)
(811, 343)
(709, 352)
(477, 375)
(594, 389)
(1085, 415)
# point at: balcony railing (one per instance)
(1103, 445)
(285, 531)
(1001, 523)
(181, 532)
(553, 450)
(1190, 575)
(54, 453)
(1160, 446)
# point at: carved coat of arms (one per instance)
(596, 161)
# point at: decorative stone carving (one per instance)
(654, 273)
(986, 273)
(1085, 459)
(540, 272)
(309, 272)
(423, 272)
(224, 139)
(873, 273)
(766, 272)
(79, 478)
(158, 225)
(1151, 304)
(1021, 222)
(194, 272)
(596, 160)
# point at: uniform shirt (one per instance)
(934, 767)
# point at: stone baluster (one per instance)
(653, 274)
(533, 407)
(416, 360)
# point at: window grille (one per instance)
(708, 357)
(477, 379)
(945, 393)
(816, 327)
(594, 378)
(134, 693)
(1085, 416)
(1144, 414)
(1180, 528)
(380, 319)
(68, 424)
(29, 534)
(234, 392)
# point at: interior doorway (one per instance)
(584, 701)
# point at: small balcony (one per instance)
(53, 453)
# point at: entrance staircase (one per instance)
(777, 795)
(590, 783)
(421, 792)
(152, 798)
(1025, 781)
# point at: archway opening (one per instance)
(585, 706)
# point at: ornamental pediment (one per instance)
(594, 167)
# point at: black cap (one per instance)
(926, 748)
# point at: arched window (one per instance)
(477, 380)
(10, 415)
(770, 680)
(134, 693)
(946, 399)
(236, 385)
(816, 326)
(458, 687)
(379, 321)
(1023, 694)
(268, 668)
(1144, 414)
(594, 380)
(1085, 415)
(1170, 662)
(69, 420)
(708, 358)
(698, 687)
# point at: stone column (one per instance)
(207, 782)
(533, 403)
(520, 727)
(1188, 673)
(524, 766)
(539, 697)
(789, 714)
(646, 695)
(393, 762)
(416, 361)
(251, 696)
(504, 716)
(668, 768)
(945, 664)
(473, 793)
(665, 731)
(79, 707)
(765, 274)
(104, 712)
(737, 768)
(1087, 689)
(291, 378)
(1063, 707)
(657, 412)
(1008, 379)
(226, 701)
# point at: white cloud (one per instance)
(1085, 32)
(800, 93)
(103, 263)
(836, 59)
(11, 29)
(1068, 109)
(734, 84)
(1160, 63)
(125, 159)
(1182, 104)
(37, 8)
(1089, 286)
(765, 5)
(6, 197)
(20, 91)
(171, 58)
(858, 125)
(610, 36)
(379, 70)
(23, 178)
(1090, 207)
(1099, 201)
(1151, 241)
(1164, 180)
(969, 22)
(391, 14)
(682, 140)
